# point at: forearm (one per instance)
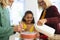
(6, 31)
(53, 20)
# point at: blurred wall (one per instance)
(31, 5)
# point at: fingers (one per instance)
(39, 23)
(15, 28)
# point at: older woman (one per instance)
(50, 15)
(5, 29)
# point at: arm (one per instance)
(55, 14)
(38, 34)
(5, 31)
(54, 19)
(5, 28)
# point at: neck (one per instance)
(44, 8)
(28, 23)
(10, 4)
(48, 6)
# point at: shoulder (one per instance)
(52, 8)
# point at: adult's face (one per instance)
(11, 1)
(41, 3)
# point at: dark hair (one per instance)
(28, 12)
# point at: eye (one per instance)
(27, 17)
(31, 17)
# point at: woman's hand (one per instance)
(15, 28)
(19, 28)
(42, 21)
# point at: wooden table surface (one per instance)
(56, 37)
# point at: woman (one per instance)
(50, 15)
(5, 29)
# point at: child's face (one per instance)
(29, 18)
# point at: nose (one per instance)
(40, 3)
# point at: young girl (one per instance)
(27, 23)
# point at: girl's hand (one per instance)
(18, 28)
(15, 28)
